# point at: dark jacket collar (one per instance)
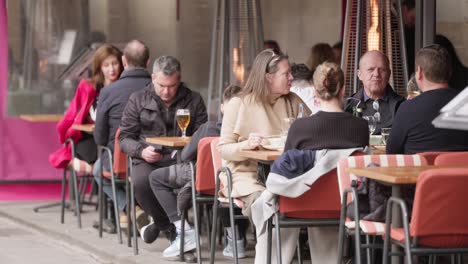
(389, 93)
(135, 73)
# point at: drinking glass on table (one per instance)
(371, 122)
(183, 120)
(385, 131)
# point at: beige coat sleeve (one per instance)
(231, 142)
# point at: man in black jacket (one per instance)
(413, 131)
(377, 97)
(165, 180)
(112, 101)
(151, 113)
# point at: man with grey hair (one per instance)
(112, 101)
(151, 113)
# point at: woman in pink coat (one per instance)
(106, 68)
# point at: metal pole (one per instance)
(429, 19)
(402, 42)
(418, 39)
(358, 44)
(260, 28)
(223, 43)
(214, 38)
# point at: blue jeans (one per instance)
(107, 188)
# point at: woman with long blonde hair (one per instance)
(258, 112)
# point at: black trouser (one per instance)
(145, 196)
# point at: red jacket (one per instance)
(77, 113)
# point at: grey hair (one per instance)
(167, 65)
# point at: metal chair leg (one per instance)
(269, 239)
(233, 229)
(130, 221)
(368, 249)
(278, 238)
(116, 207)
(64, 183)
(215, 220)
(182, 237)
(77, 197)
(299, 251)
(195, 214)
(135, 234)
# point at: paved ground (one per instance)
(29, 237)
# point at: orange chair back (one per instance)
(440, 210)
(321, 201)
(345, 178)
(120, 158)
(431, 156)
(452, 158)
(204, 181)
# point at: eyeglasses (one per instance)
(376, 107)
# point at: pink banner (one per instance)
(24, 146)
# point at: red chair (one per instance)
(439, 218)
(452, 158)
(349, 194)
(431, 156)
(118, 174)
(319, 206)
(231, 202)
(204, 185)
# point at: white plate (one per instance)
(273, 147)
(275, 143)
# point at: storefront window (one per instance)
(50, 42)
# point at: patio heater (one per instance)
(374, 25)
(236, 39)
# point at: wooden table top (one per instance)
(42, 117)
(169, 141)
(395, 175)
(263, 155)
(88, 128)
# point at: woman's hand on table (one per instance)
(150, 155)
(254, 140)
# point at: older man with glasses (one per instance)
(377, 97)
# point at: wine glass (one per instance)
(385, 132)
(371, 122)
(183, 120)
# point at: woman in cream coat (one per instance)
(258, 112)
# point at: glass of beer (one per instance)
(183, 120)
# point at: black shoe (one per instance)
(170, 233)
(149, 233)
(107, 226)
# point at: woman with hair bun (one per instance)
(329, 128)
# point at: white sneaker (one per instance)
(229, 249)
(189, 244)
